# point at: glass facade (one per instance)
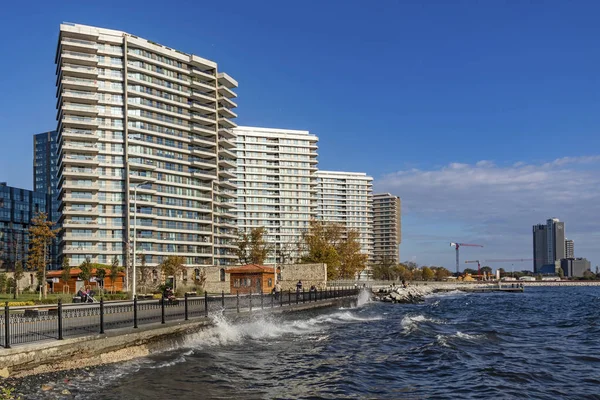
(17, 208)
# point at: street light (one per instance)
(133, 292)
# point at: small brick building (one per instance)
(251, 278)
(56, 284)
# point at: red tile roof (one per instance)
(250, 268)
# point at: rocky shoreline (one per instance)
(400, 294)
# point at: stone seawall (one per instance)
(121, 345)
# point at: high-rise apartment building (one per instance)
(387, 228)
(276, 185)
(145, 124)
(548, 243)
(347, 198)
(569, 248)
(45, 177)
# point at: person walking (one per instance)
(277, 290)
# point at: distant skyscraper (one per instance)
(276, 185)
(387, 225)
(548, 243)
(45, 177)
(346, 198)
(569, 248)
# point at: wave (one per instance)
(443, 339)
(411, 323)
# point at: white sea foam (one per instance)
(443, 339)
(411, 322)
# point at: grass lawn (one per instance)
(33, 297)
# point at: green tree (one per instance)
(3, 279)
(252, 247)
(486, 270)
(561, 273)
(172, 266)
(441, 273)
(10, 284)
(589, 275)
(114, 271)
(144, 272)
(502, 272)
(384, 268)
(66, 272)
(100, 276)
(319, 245)
(428, 273)
(86, 270)
(18, 275)
(352, 261)
(40, 237)
(417, 274)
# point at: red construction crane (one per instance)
(458, 246)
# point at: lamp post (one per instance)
(134, 278)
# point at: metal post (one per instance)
(162, 310)
(223, 299)
(272, 301)
(250, 300)
(262, 300)
(237, 301)
(205, 303)
(185, 300)
(133, 284)
(281, 298)
(101, 315)
(135, 317)
(60, 321)
(297, 295)
(303, 297)
(6, 326)
(289, 297)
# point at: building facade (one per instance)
(276, 186)
(569, 248)
(387, 228)
(548, 243)
(346, 198)
(17, 208)
(146, 125)
(45, 176)
(575, 267)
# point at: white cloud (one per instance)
(497, 205)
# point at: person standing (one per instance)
(277, 290)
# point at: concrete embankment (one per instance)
(123, 344)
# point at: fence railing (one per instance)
(20, 325)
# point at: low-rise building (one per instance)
(575, 267)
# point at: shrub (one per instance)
(20, 303)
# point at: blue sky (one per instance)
(416, 94)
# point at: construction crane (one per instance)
(458, 246)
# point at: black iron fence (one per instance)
(29, 324)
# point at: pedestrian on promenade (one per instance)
(277, 290)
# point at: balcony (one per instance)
(207, 120)
(79, 122)
(226, 183)
(69, 82)
(81, 109)
(141, 164)
(74, 159)
(226, 92)
(223, 152)
(226, 112)
(226, 102)
(80, 249)
(80, 71)
(78, 211)
(79, 199)
(81, 172)
(226, 123)
(226, 144)
(80, 58)
(211, 130)
(93, 224)
(80, 134)
(70, 237)
(138, 177)
(227, 162)
(87, 46)
(224, 173)
(79, 96)
(203, 85)
(226, 133)
(203, 162)
(207, 107)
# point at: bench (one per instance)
(191, 293)
(145, 296)
(76, 299)
(32, 313)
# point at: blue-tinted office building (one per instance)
(17, 208)
(45, 170)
